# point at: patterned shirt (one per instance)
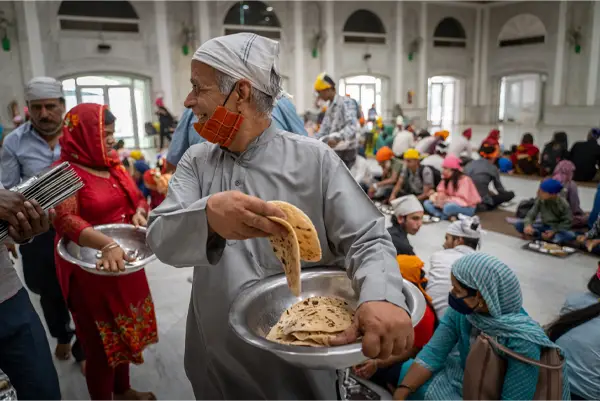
(340, 122)
(594, 232)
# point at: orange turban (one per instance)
(443, 134)
(384, 154)
(411, 268)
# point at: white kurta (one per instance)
(438, 273)
(460, 146)
(276, 166)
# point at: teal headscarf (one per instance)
(501, 291)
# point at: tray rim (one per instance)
(61, 248)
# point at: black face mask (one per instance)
(459, 304)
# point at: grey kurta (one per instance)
(276, 166)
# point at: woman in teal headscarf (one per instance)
(485, 297)
(385, 138)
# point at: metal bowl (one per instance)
(259, 307)
(130, 238)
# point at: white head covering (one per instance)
(243, 56)
(399, 120)
(43, 88)
(406, 205)
(466, 227)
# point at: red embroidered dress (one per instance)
(115, 311)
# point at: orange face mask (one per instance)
(222, 127)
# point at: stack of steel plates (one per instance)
(48, 189)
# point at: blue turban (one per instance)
(141, 166)
(596, 133)
(551, 186)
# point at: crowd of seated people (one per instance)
(526, 158)
(469, 293)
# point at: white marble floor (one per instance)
(545, 282)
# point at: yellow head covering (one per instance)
(136, 154)
(411, 268)
(323, 82)
(379, 121)
(412, 154)
(443, 134)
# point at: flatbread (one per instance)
(312, 322)
(308, 239)
(322, 318)
(318, 337)
(288, 252)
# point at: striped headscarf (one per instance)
(501, 291)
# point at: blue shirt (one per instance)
(284, 116)
(24, 154)
(581, 346)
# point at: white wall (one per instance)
(68, 53)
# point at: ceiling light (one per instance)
(245, 6)
(269, 9)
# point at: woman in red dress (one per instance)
(114, 315)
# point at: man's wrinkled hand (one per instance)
(237, 216)
(31, 223)
(386, 330)
(529, 230)
(11, 203)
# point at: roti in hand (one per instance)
(288, 252)
(308, 239)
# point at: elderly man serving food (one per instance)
(215, 218)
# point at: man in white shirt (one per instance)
(435, 160)
(461, 146)
(462, 238)
(403, 139)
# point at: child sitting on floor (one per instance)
(555, 213)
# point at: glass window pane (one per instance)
(367, 98)
(92, 95)
(68, 84)
(103, 80)
(119, 101)
(70, 101)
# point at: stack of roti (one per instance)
(300, 243)
(312, 322)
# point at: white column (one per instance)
(423, 27)
(399, 64)
(592, 87)
(329, 28)
(34, 39)
(557, 83)
(299, 57)
(483, 72)
(164, 52)
(477, 58)
(203, 22)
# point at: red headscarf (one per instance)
(493, 138)
(83, 142)
(468, 133)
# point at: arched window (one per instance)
(449, 33)
(103, 16)
(523, 29)
(363, 26)
(254, 17)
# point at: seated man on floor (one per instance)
(408, 218)
(555, 213)
(437, 159)
(416, 179)
(392, 168)
(483, 172)
(462, 238)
